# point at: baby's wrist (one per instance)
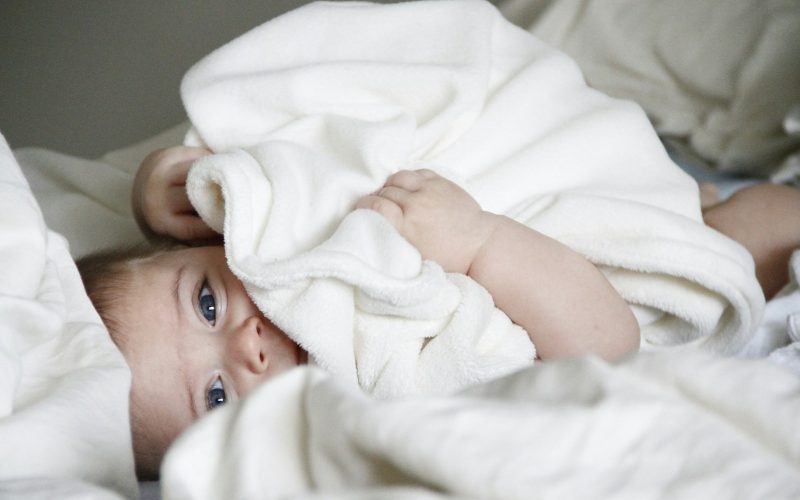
(488, 224)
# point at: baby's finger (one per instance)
(178, 201)
(427, 173)
(188, 153)
(406, 179)
(191, 227)
(387, 208)
(178, 173)
(394, 193)
(181, 161)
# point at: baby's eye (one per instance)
(207, 304)
(216, 395)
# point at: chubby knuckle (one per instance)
(428, 173)
(403, 175)
(381, 205)
(369, 202)
(443, 187)
(152, 201)
(420, 200)
(409, 180)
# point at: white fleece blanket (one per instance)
(778, 336)
(660, 425)
(314, 109)
(64, 402)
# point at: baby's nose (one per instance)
(248, 345)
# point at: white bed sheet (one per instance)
(64, 404)
(88, 201)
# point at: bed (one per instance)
(681, 422)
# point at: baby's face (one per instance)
(194, 340)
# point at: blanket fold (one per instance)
(64, 404)
(315, 109)
(657, 425)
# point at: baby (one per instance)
(194, 340)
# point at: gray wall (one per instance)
(87, 76)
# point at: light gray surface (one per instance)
(84, 77)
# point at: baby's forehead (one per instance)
(167, 266)
(151, 332)
(162, 263)
(198, 259)
(146, 273)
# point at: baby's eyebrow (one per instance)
(176, 288)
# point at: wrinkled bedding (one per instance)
(64, 404)
(672, 424)
(720, 79)
(89, 200)
(677, 424)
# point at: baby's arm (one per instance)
(160, 204)
(565, 303)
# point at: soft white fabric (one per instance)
(48, 488)
(659, 425)
(64, 404)
(778, 336)
(717, 76)
(316, 108)
(89, 201)
(789, 171)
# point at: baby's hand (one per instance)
(159, 199)
(435, 215)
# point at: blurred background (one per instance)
(87, 76)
